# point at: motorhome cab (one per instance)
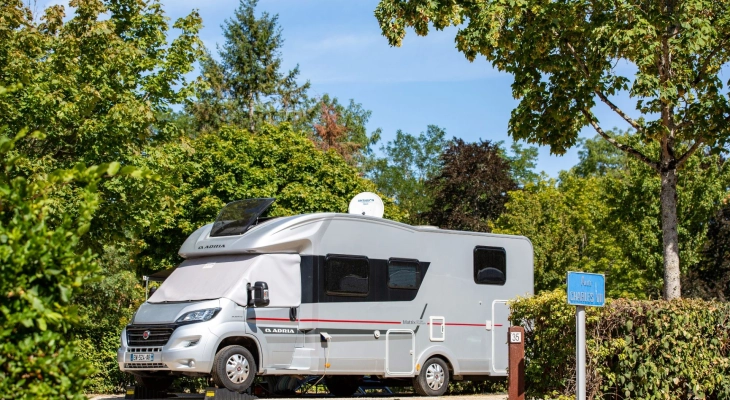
(339, 295)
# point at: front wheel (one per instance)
(433, 379)
(234, 368)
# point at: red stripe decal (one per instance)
(270, 319)
(460, 324)
(352, 321)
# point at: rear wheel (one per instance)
(433, 379)
(284, 385)
(343, 385)
(234, 368)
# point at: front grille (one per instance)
(144, 365)
(144, 349)
(158, 336)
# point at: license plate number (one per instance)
(143, 357)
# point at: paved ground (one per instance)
(391, 396)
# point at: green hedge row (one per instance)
(635, 349)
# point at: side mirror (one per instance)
(258, 295)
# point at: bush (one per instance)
(635, 349)
(42, 267)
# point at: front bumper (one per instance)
(190, 349)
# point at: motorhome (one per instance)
(328, 294)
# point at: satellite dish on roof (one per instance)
(366, 203)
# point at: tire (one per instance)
(234, 368)
(433, 379)
(285, 386)
(154, 383)
(343, 385)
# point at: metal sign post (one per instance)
(584, 289)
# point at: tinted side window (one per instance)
(346, 275)
(403, 274)
(490, 265)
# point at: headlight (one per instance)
(199, 315)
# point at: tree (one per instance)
(598, 157)
(93, 84)
(564, 58)
(100, 84)
(44, 268)
(711, 278)
(603, 214)
(566, 221)
(635, 215)
(210, 109)
(523, 161)
(470, 190)
(408, 163)
(206, 172)
(251, 62)
(343, 129)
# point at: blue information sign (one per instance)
(586, 289)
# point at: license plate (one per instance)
(143, 357)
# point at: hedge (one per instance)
(635, 349)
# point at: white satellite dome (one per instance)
(367, 203)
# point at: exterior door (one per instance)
(498, 337)
(279, 331)
(400, 352)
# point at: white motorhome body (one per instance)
(350, 295)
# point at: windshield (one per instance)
(236, 217)
(227, 276)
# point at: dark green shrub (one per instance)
(636, 349)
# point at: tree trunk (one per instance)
(670, 238)
(250, 115)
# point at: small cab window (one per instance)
(346, 275)
(403, 274)
(490, 265)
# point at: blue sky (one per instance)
(339, 49)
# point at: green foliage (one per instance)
(710, 279)
(43, 268)
(566, 56)
(598, 157)
(634, 215)
(603, 216)
(99, 84)
(94, 82)
(108, 304)
(408, 163)
(206, 172)
(247, 86)
(634, 349)
(565, 220)
(523, 161)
